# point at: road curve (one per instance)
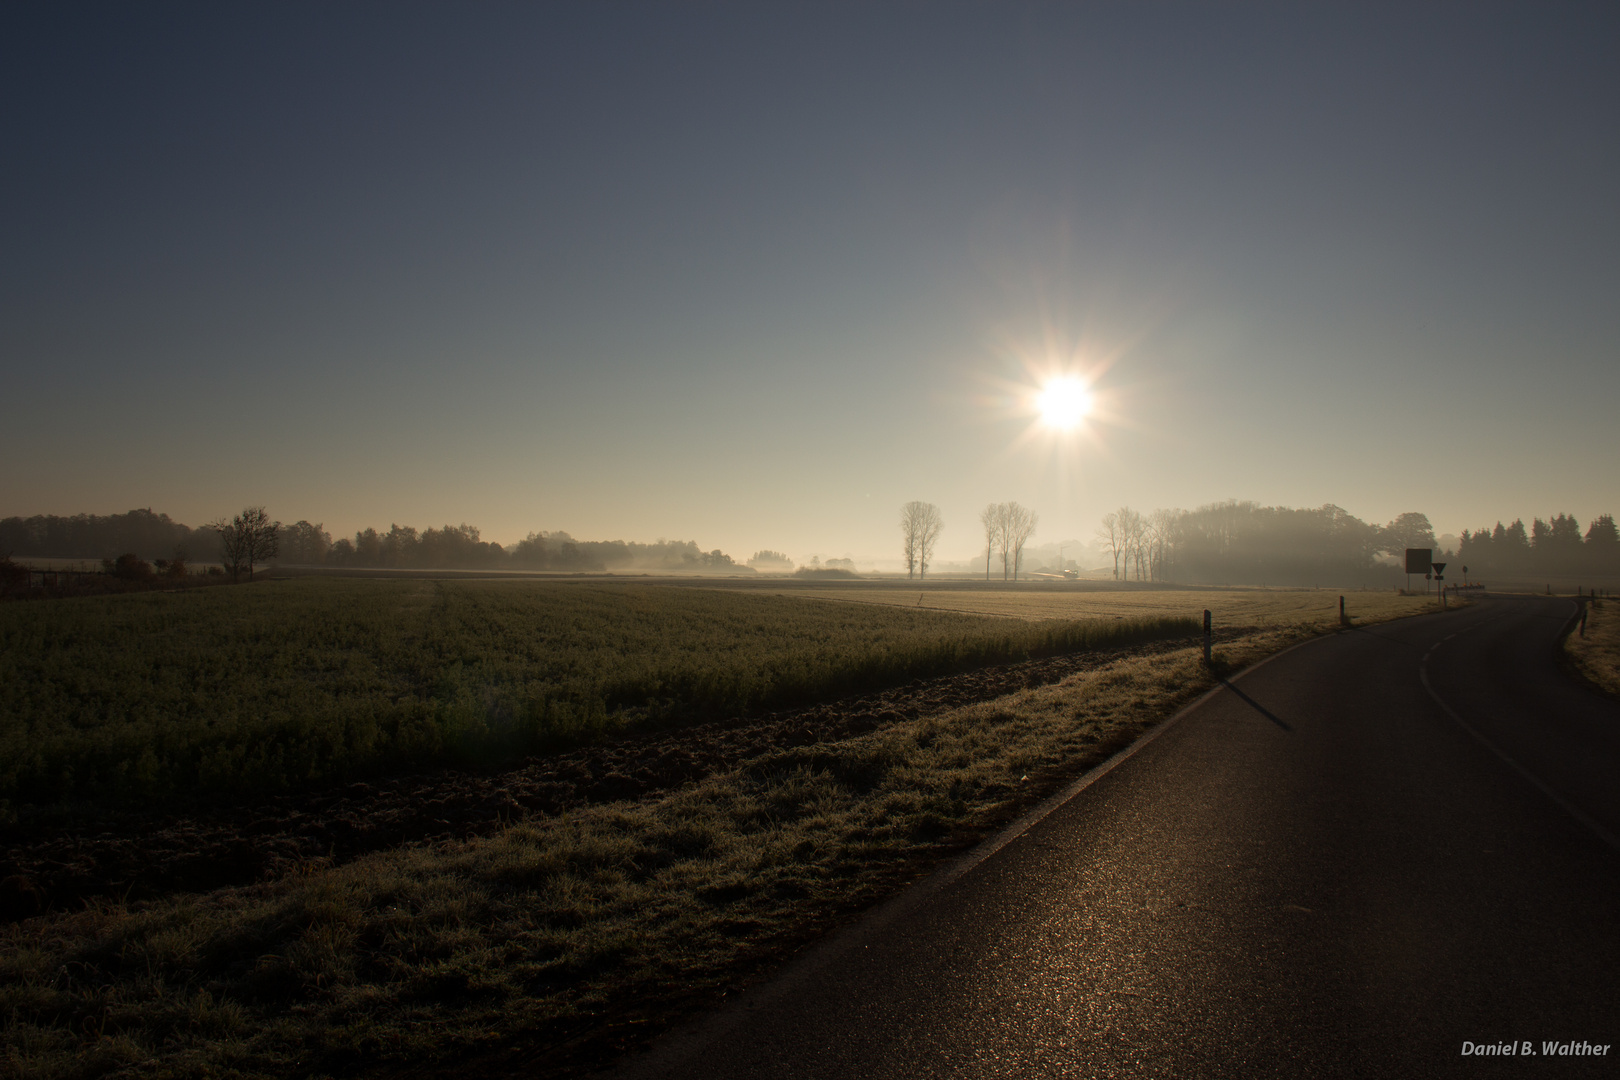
(1350, 861)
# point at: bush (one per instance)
(128, 567)
(12, 573)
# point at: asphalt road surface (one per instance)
(1350, 861)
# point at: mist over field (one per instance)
(1224, 544)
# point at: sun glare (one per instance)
(1063, 403)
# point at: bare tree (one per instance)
(920, 526)
(994, 520)
(247, 538)
(1108, 533)
(1131, 534)
(1005, 514)
(1021, 522)
(909, 528)
(933, 523)
(1163, 526)
(1133, 527)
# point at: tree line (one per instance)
(252, 538)
(462, 547)
(142, 533)
(1246, 543)
(1555, 548)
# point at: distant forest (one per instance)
(460, 547)
(1245, 543)
(94, 537)
(1555, 548)
(155, 536)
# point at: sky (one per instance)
(756, 275)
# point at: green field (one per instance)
(278, 684)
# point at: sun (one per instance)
(1063, 402)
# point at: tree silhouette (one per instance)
(994, 520)
(247, 538)
(920, 526)
(1021, 522)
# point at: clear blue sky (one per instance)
(754, 275)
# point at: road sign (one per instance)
(1418, 560)
(1439, 566)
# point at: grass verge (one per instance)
(1597, 655)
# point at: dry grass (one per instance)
(1597, 655)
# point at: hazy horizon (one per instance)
(757, 277)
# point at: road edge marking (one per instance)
(1595, 826)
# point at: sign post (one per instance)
(1418, 561)
(1441, 578)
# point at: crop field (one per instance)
(1229, 607)
(690, 844)
(291, 683)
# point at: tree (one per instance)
(1125, 534)
(910, 528)
(247, 538)
(303, 544)
(1163, 529)
(400, 545)
(933, 524)
(1564, 533)
(920, 526)
(1108, 533)
(368, 549)
(769, 560)
(1409, 530)
(1514, 542)
(994, 520)
(1021, 522)
(1602, 533)
(1133, 530)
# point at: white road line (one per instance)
(1535, 781)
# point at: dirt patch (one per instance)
(136, 856)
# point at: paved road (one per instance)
(1322, 870)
